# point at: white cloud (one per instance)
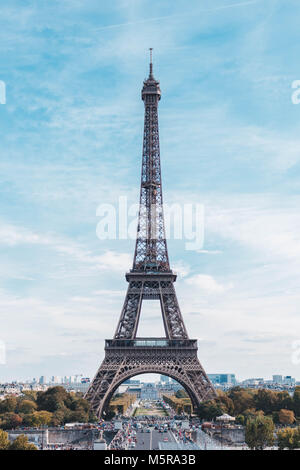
(115, 261)
(11, 235)
(181, 268)
(49, 328)
(258, 224)
(207, 284)
(109, 292)
(271, 150)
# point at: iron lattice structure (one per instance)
(150, 278)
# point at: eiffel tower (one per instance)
(151, 277)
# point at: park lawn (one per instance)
(150, 412)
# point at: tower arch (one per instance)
(174, 376)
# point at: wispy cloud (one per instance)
(184, 15)
(258, 224)
(12, 235)
(207, 283)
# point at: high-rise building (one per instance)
(43, 380)
(222, 379)
(277, 379)
(56, 379)
(289, 380)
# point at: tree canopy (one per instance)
(52, 407)
(244, 403)
(259, 432)
(20, 443)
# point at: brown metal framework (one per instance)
(150, 278)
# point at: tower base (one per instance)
(127, 358)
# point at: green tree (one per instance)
(181, 393)
(37, 418)
(296, 402)
(53, 399)
(29, 419)
(240, 419)
(252, 413)
(92, 418)
(242, 399)
(288, 438)
(54, 406)
(80, 404)
(42, 418)
(259, 432)
(266, 400)
(30, 395)
(224, 402)
(27, 406)
(11, 420)
(8, 405)
(275, 417)
(4, 442)
(284, 401)
(209, 410)
(21, 443)
(81, 416)
(58, 418)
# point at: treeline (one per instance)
(54, 407)
(120, 403)
(247, 403)
(179, 405)
(259, 434)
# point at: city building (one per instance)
(135, 390)
(254, 381)
(220, 379)
(288, 380)
(76, 387)
(55, 379)
(168, 388)
(149, 392)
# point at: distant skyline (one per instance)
(71, 139)
(142, 377)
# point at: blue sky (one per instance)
(71, 138)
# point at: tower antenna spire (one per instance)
(151, 65)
